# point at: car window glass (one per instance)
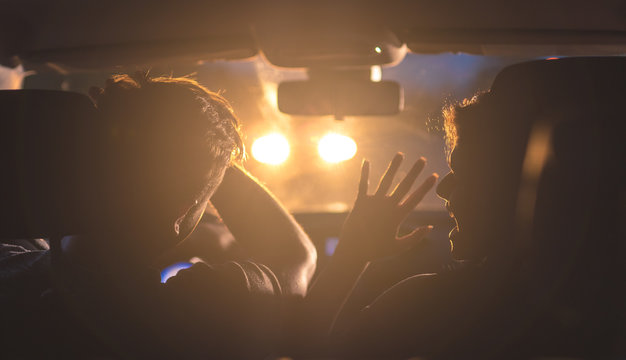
(304, 181)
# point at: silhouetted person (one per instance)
(536, 188)
(167, 148)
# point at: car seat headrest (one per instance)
(576, 97)
(577, 82)
(568, 114)
(47, 155)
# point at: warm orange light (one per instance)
(376, 73)
(335, 148)
(272, 149)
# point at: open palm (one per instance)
(370, 231)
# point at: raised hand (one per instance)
(370, 231)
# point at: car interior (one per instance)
(319, 86)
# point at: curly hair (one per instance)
(455, 118)
(168, 137)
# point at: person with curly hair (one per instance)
(536, 192)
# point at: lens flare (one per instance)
(335, 148)
(272, 149)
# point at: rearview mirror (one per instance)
(340, 97)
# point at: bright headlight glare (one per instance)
(376, 73)
(271, 149)
(334, 148)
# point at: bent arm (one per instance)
(265, 230)
(369, 233)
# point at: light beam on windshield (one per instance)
(272, 149)
(335, 148)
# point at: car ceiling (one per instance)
(77, 34)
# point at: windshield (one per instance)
(304, 181)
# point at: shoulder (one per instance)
(230, 278)
(419, 315)
(418, 289)
(227, 308)
(423, 295)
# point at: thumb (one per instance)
(415, 236)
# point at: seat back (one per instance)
(47, 152)
(572, 198)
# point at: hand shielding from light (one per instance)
(370, 231)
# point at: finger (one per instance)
(403, 188)
(364, 182)
(387, 179)
(415, 236)
(417, 196)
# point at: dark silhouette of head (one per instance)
(484, 156)
(537, 188)
(166, 143)
(488, 139)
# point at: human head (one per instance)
(575, 102)
(554, 128)
(166, 144)
(485, 156)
